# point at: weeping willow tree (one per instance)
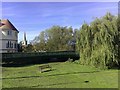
(98, 42)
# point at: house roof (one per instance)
(6, 24)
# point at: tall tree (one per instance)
(98, 43)
(55, 38)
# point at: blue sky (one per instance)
(34, 17)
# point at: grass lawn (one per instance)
(63, 75)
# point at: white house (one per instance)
(8, 37)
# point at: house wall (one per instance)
(0, 40)
(12, 38)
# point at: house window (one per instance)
(9, 32)
(7, 44)
(16, 34)
(15, 45)
(11, 45)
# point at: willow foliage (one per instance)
(98, 42)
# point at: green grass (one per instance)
(63, 75)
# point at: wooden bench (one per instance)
(44, 68)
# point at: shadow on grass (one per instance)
(54, 84)
(51, 75)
